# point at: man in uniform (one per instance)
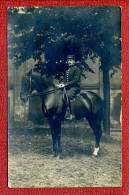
(71, 81)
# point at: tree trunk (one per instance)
(106, 94)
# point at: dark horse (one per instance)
(88, 105)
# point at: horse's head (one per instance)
(31, 82)
(26, 87)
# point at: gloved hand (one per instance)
(61, 85)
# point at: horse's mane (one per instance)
(45, 81)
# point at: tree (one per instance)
(58, 31)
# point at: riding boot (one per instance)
(71, 117)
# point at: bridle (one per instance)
(42, 93)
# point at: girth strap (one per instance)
(65, 96)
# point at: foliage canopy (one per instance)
(59, 31)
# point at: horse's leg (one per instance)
(54, 141)
(96, 126)
(97, 132)
(57, 127)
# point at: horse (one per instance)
(54, 105)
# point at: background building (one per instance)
(19, 112)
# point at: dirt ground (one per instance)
(31, 164)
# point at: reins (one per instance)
(45, 93)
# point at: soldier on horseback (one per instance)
(71, 82)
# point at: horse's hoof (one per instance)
(55, 154)
(94, 156)
(61, 156)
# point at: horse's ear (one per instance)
(29, 73)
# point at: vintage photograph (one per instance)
(64, 97)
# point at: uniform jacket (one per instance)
(72, 76)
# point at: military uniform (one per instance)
(72, 79)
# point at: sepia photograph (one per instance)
(64, 97)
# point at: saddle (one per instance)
(66, 99)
